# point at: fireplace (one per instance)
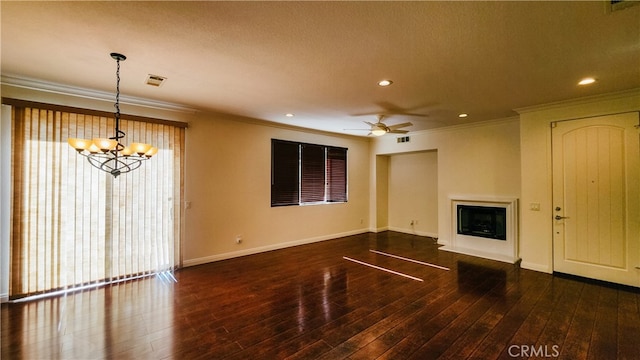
(484, 226)
(484, 221)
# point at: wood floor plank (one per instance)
(628, 320)
(604, 338)
(307, 302)
(577, 341)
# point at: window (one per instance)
(307, 173)
(76, 226)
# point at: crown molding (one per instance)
(61, 89)
(580, 101)
(469, 125)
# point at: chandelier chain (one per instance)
(119, 133)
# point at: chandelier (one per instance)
(110, 155)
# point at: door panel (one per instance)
(596, 196)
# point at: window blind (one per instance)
(337, 174)
(74, 225)
(285, 173)
(307, 173)
(313, 173)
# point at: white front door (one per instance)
(596, 198)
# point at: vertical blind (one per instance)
(307, 173)
(74, 225)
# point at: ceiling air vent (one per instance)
(615, 5)
(155, 80)
(402, 139)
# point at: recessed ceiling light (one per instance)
(385, 82)
(463, 115)
(288, 115)
(587, 81)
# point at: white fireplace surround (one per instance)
(501, 250)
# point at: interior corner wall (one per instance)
(479, 159)
(381, 199)
(536, 238)
(413, 193)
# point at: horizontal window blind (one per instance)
(307, 173)
(337, 174)
(313, 173)
(285, 173)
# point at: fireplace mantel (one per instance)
(494, 249)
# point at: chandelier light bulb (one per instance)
(93, 149)
(152, 151)
(79, 144)
(126, 151)
(140, 148)
(105, 144)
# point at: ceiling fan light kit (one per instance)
(379, 128)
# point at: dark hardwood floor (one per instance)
(308, 302)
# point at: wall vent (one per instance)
(402, 139)
(155, 80)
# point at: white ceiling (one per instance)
(322, 60)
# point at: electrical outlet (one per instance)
(238, 239)
(411, 223)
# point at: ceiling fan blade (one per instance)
(398, 126)
(408, 114)
(370, 123)
(356, 129)
(398, 131)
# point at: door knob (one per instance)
(558, 217)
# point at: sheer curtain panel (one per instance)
(74, 225)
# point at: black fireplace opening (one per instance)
(483, 221)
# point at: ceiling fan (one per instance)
(379, 128)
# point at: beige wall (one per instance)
(413, 193)
(228, 186)
(480, 159)
(535, 226)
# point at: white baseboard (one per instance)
(4, 298)
(536, 267)
(260, 249)
(485, 255)
(414, 232)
